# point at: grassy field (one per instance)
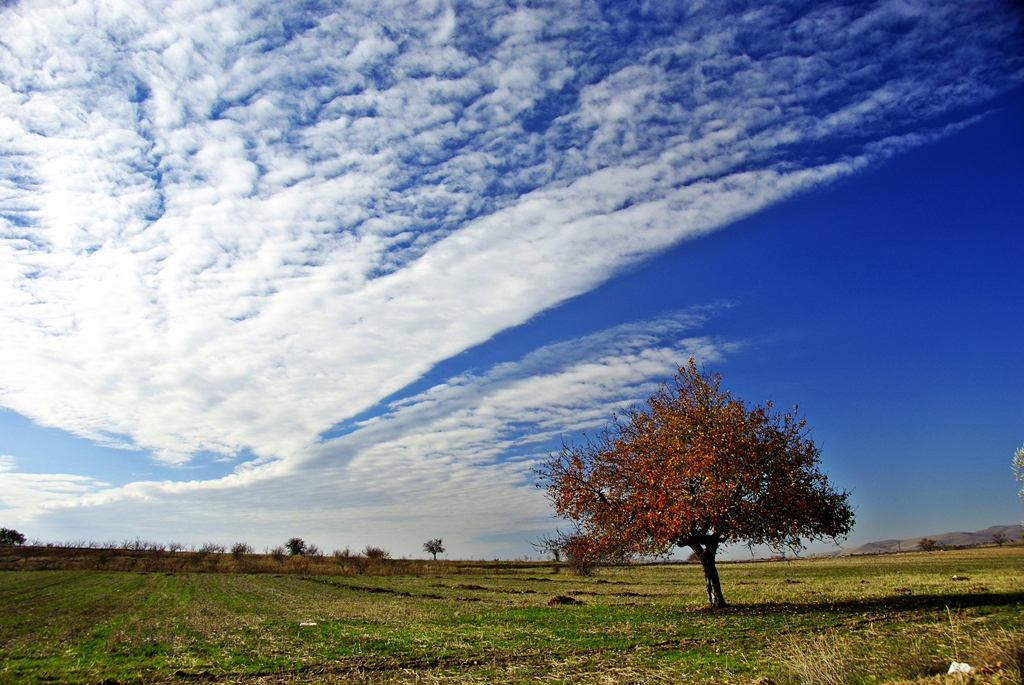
(873, 619)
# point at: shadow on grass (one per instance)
(898, 602)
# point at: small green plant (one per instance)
(919, 660)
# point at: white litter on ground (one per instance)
(960, 667)
(311, 623)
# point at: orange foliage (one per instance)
(696, 468)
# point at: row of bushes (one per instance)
(293, 547)
(205, 559)
(30, 558)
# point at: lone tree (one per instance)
(297, 547)
(694, 467)
(10, 537)
(433, 547)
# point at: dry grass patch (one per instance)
(822, 660)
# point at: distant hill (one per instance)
(1012, 533)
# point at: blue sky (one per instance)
(348, 271)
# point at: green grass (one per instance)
(898, 617)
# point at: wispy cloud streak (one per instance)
(454, 460)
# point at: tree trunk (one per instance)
(706, 553)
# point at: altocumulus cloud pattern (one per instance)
(228, 226)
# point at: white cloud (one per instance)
(231, 226)
(25, 496)
(454, 460)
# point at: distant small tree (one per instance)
(927, 545)
(377, 553)
(10, 538)
(240, 549)
(999, 539)
(296, 546)
(549, 545)
(433, 547)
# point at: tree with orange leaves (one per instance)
(694, 467)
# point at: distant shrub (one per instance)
(314, 551)
(376, 553)
(927, 544)
(11, 538)
(277, 553)
(240, 549)
(343, 553)
(174, 547)
(212, 548)
(296, 546)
